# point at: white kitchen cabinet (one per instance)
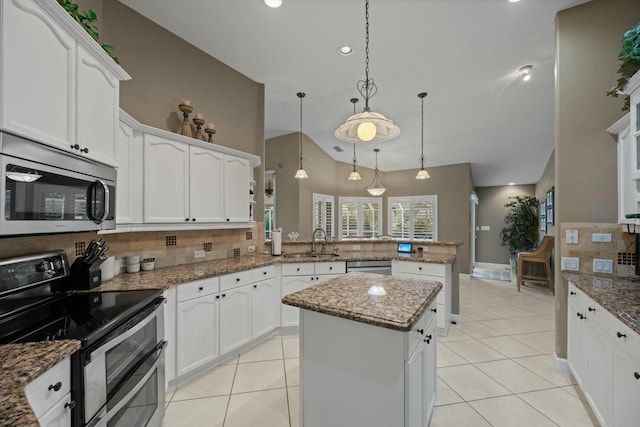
(71, 103)
(432, 272)
(604, 357)
(298, 276)
(206, 190)
(197, 324)
(129, 158)
(430, 340)
(170, 322)
(49, 395)
(237, 174)
(263, 307)
(235, 318)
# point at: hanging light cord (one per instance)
(422, 96)
(367, 87)
(354, 100)
(300, 95)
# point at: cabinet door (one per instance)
(96, 109)
(170, 335)
(577, 336)
(263, 307)
(235, 318)
(430, 376)
(166, 180)
(197, 333)
(236, 188)
(414, 372)
(124, 143)
(206, 179)
(626, 390)
(38, 59)
(598, 373)
(290, 316)
(59, 415)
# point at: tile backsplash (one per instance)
(167, 247)
(621, 250)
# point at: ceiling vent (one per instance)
(338, 148)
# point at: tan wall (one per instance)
(452, 185)
(587, 45)
(546, 183)
(491, 212)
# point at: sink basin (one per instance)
(310, 255)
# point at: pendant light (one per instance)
(354, 175)
(376, 188)
(367, 126)
(422, 173)
(301, 173)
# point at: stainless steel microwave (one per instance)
(47, 190)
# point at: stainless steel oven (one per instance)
(124, 373)
(46, 190)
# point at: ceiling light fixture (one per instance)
(422, 173)
(367, 126)
(273, 3)
(354, 175)
(514, 1)
(345, 50)
(301, 173)
(376, 188)
(525, 72)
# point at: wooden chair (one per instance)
(540, 273)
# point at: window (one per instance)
(360, 217)
(323, 207)
(413, 217)
(268, 220)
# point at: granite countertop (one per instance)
(166, 277)
(619, 296)
(19, 365)
(346, 296)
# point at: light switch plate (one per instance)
(603, 266)
(485, 228)
(572, 237)
(570, 264)
(198, 254)
(601, 237)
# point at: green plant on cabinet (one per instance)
(630, 58)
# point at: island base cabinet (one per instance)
(626, 391)
(59, 415)
(371, 381)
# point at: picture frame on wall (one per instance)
(549, 206)
(543, 216)
(550, 215)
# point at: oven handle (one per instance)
(126, 331)
(91, 202)
(100, 420)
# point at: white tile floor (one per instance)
(494, 369)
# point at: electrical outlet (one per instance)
(355, 247)
(485, 228)
(572, 237)
(570, 264)
(603, 266)
(251, 249)
(198, 254)
(601, 237)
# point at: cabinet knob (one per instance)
(420, 268)
(427, 339)
(224, 295)
(75, 146)
(84, 150)
(264, 273)
(56, 387)
(298, 269)
(572, 293)
(237, 279)
(217, 296)
(193, 219)
(592, 309)
(227, 219)
(186, 219)
(636, 375)
(581, 316)
(621, 335)
(330, 268)
(420, 331)
(255, 286)
(200, 289)
(70, 405)
(434, 310)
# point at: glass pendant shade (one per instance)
(423, 174)
(301, 173)
(354, 175)
(376, 188)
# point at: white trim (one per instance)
(560, 364)
(455, 318)
(328, 228)
(493, 266)
(411, 200)
(360, 201)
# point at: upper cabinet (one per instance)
(627, 130)
(57, 85)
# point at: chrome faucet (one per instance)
(313, 240)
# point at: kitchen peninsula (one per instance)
(367, 360)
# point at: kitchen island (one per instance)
(367, 360)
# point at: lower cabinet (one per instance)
(290, 284)
(170, 336)
(49, 396)
(263, 307)
(604, 357)
(235, 318)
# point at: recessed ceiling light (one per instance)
(514, 1)
(345, 50)
(512, 183)
(273, 3)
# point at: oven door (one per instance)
(129, 360)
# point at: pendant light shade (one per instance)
(376, 188)
(367, 126)
(300, 173)
(422, 173)
(354, 175)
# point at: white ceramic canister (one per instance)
(108, 268)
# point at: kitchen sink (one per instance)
(312, 255)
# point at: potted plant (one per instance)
(520, 233)
(630, 57)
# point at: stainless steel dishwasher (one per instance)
(377, 267)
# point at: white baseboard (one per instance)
(493, 266)
(560, 364)
(455, 318)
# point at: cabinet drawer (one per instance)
(198, 288)
(230, 281)
(334, 267)
(46, 390)
(422, 268)
(415, 335)
(263, 273)
(620, 333)
(298, 269)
